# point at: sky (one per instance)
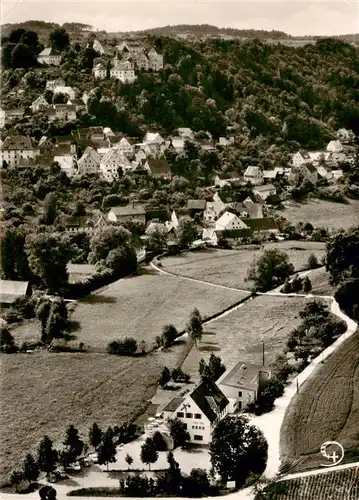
(316, 17)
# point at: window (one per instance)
(189, 415)
(197, 437)
(239, 394)
(197, 415)
(180, 414)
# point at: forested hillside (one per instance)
(291, 97)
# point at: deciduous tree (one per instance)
(46, 455)
(149, 453)
(194, 326)
(271, 269)
(95, 435)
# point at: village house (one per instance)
(153, 138)
(89, 163)
(271, 175)
(265, 191)
(186, 133)
(325, 172)
(52, 84)
(263, 227)
(200, 411)
(96, 133)
(206, 144)
(108, 132)
(67, 164)
(345, 136)
(196, 207)
(306, 171)
(242, 384)
(10, 291)
(127, 213)
(38, 104)
(123, 70)
(50, 56)
(45, 144)
(335, 146)
(253, 175)
(300, 158)
(99, 71)
(65, 90)
(65, 112)
(226, 179)
(158, 168)
(228, 222)
(225, 141)
(97, 46)
(10, 115)
(111, 162)
(17, 148)
(213, 209)
(78, 103)
(177, 143)
(155, 60)
(126, 147)
(247, 209)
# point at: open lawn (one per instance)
(238, 335)
(327, 408)
(42, 393)
(140, 306)
(320, 282)
(322, 213)
(229, 267)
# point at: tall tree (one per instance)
(149, 453)
(95, 435)
(48, 255)
(186, 232)
(31, 468)
(73, 443)
(194, 326)
(50, 209)
(213, 370)
(237, 449)
(59, 39)
(178, 432)
(107, 449)
(46, 455)
(271, 269)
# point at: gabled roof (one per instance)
(96, 131)
(263, 189)
(304, 154)
(49, 51)
(134, 209)
(227, 218)
(172, 405)
(252, 171)
(242, 374)
(263, 224)
(152, 137)
(196, 204)
(158, 166)
(209, 399)
(12, 290)
(16, 142)
(114, 155)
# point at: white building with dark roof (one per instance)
(242, 384)
(200, 411)
(17, 148)
(254, 175)
(89, 163)
(50, 56)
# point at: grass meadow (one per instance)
(229, 267)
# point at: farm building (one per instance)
(200, 410)
(242, 384)
(126, 213)
(13, 290)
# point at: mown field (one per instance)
(42, 393)
(335, 485)
(322, 213)
(138, 307)
(327, 408)
(229, 267)
(238, 335)
(142, 305)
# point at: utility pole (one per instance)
(263, 353)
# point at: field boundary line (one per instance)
(317, 472)
(162, 271)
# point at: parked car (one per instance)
(85, 462)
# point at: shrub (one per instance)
(125, 347)
(165, 377)
(179, 376)
(312, 261)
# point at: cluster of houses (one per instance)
(209, 402)
(130, 56)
